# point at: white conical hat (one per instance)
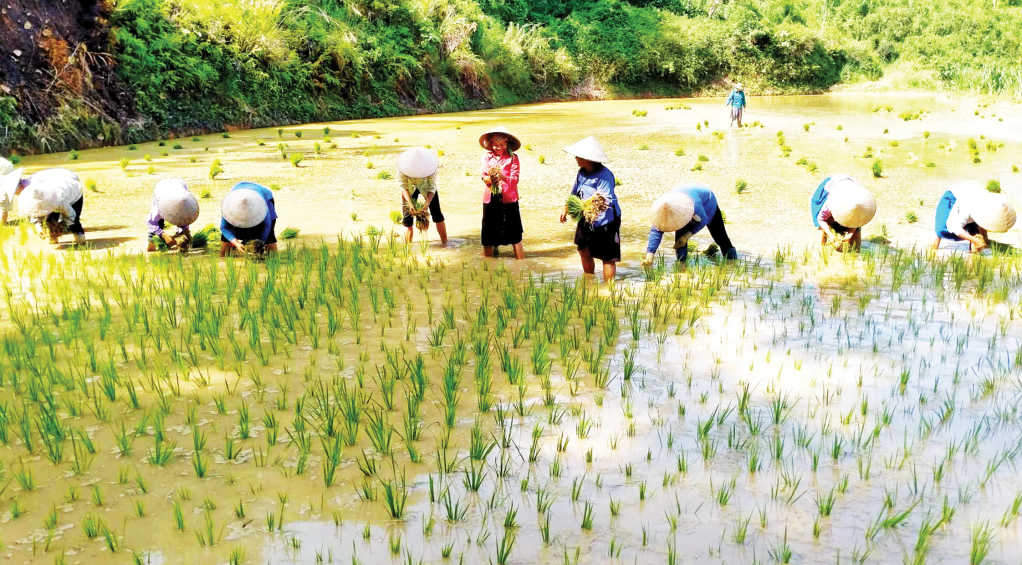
(244, 208)
(513, 143)
(5, 166)
(417, 163)
(176, 203)
(9, 179)
(851, 204)
(588, 149)
(993, 212)
(38, 200)
(671, 212)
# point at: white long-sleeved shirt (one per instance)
(959, 217)
(68, 186)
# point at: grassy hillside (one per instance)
(195, 65)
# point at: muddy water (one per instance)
(829, 333)
(320, 196)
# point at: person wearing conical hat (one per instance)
(10, 186)
(416, 175)
(967, 212)
(249, 216)
(839, 208)
(502, 219)
(52, 200)
(600, 238)
(175, 205)
(736, 101)
(686, 210)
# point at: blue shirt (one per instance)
(265, 227)
(705, 208)
(736, 99)
(600, 180)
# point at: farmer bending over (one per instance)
(248, 220)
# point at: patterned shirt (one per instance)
(425, 185)
(600, 180)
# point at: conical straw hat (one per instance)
(176, 203)
(38, 200)
(851, 204)
(671, 212)
(5, 166)
(993, 213)
(588, 149)
(417, 163)
(244, 208)
(513, 143)
(9, 179)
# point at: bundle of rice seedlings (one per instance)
(396, 216)
(183, 242)
(255, 248)
(201, 238)
(420, 211)
(494, 173)
(589, 209)
(290, 232)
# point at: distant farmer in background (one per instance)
(686, 210)
(248, 220)
(502, 219)
(736, 100)
(967, 212)
(598, 233)
(52, 200)
(175, 205)
(416, 175)
(839, 208)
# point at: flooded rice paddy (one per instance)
(360, 400)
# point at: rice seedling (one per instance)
(878, 168)
(994, 186)
(740, 186)
(588, 516)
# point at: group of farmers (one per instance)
(52, 200)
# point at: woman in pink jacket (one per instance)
(502, 220)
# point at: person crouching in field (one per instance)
(416, 172)
(967, 212)
(502, 219)
(598, 233)
(52, 200)
(685, 210)
(840, 207)
(175, 205)
(248, 220)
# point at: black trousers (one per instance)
(75, 228)
(717, 232)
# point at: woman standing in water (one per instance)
(502, 219)
(600, 236)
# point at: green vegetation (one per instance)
(878, 168)
(198, 64)
(994, 185)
